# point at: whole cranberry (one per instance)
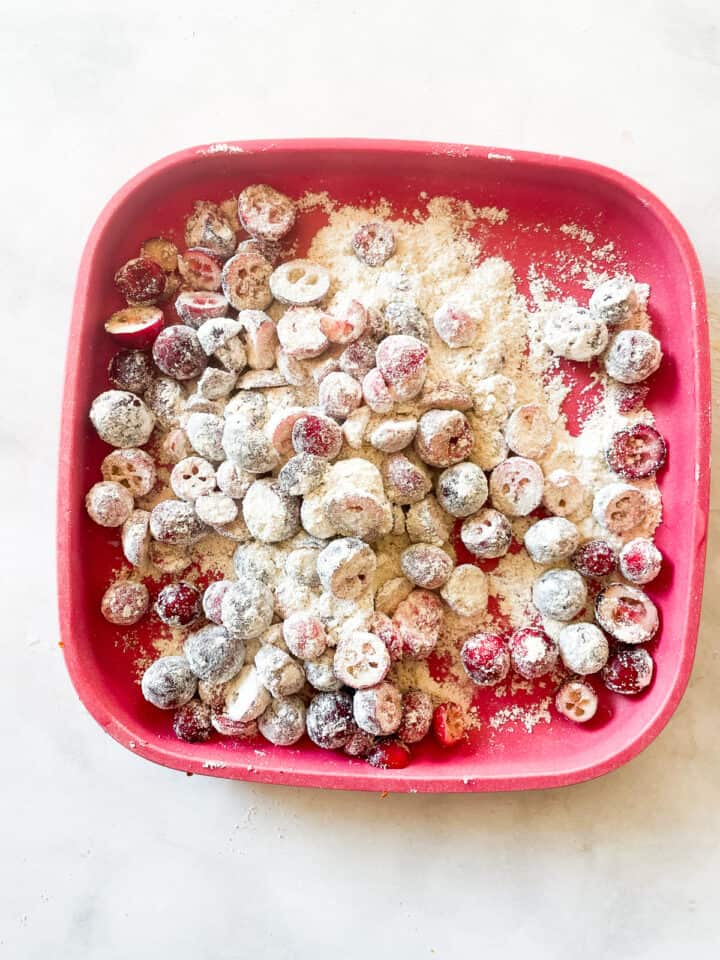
(486, 659)
(179, 604)
(178, 353)
(596, 558)
(192, 722)
(131, 370)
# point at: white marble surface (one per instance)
(103, 855)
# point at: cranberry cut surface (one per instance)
(636, 452)
(141, 281)
(448, 724)
(179, 604)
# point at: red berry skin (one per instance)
(631, 397)
(628, 671)
(486, 659)
(389, 755)
(178, 353)
(636, 452)
(192, 722)
(596, 558)
(141, 281)
(201, 269)
(448, 724)
(179, 604)
(318, 435)
(135, 327)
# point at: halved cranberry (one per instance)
(636, 452)
(135, 327)
(596, 558)
(629, 670)
(192, 722)
(141, 281)
(201, 268)
(194, 307)
(631, 397)
(179, 604)
(131, 370)
(389, 755)
(448, 724)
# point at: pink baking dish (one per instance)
(534, 188)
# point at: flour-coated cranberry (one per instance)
(330, 719)
(233, 480)
(630, 398)
(615, 300)
(427, 522)
(270, 514)
(418, 619)
(346, 567)
(302, 474)
(175, 522)
(135, 327)
(402, 361)
(626, 613)
(169, 683)
(486, 659)
(179, 604)
(383, 627)
(207, 227)
(361, 660)
(532, 653)
(216, 509)
(192, 478)
(487, 535)
(374, 243)
(444, 395)
(633, 355)
(448, 724)
(462, 489)
(407, 320)
(205, 432)
(595, 558)
(516, 486)
(559, 594)
(125, 602)
(320, 673)
(213, 598)
(201, 269)
(141, 281)
(640, 561)
(261, 340)
(417, 714)
(405, 482)
(318, 435)
(178, 353)
(135, 538)
(628, 671)
(247, 609)
(245, 281)
(583, 648)
(444, 438)
(300, 333)
(563, 493)
(358, 358)
(551, 540)
(345, 325)
(636, 452)
(121, 418)
(213, 654)
(376, 392)
(192, 722)
(165, 398)
(426, 566)
(528, 431)
(300, 283)
(394, 434)
(619, 507)
(305, 636)
(195, 307)
(454, 326)
(577, 701)
(378, 709)
(283, 723)
(339, 395)
(108, 503)
(388, 755)
(131, 370)
(265, 212)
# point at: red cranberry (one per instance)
(532, 652)
(382, 626)
(596, 558)
(131, 370)
(631, 397)
(417, 714)
(330, 719)
(201, 269)
(389, 755)
(192, 722)
(179, 604)
(636, 452)
(629, 670)
(448, 724)
(141, 281)
(178, 353)
(640, 561)
(318, 435)
(213, 598)
(486, 659)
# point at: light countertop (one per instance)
(104, 855)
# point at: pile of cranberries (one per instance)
(290, 647)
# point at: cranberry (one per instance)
(125, 602)
(265, 212)
(179, 604)
(455, 326)
(640, 561)
(577, 701)
(444, 438)
(629, 670)
(486, 659)
(135, 327)
(376, 392)
(596, 558)
(192, 722)
(382, 626)
(330, 719)
(532, 652)
(358, 358)
(389, 755)
(627, 613)
(162, 251)
(347, 326)
(417, 714)
(631, 397)
(448, 724)
(374, 243)
(213, 598)
(178, 353)
(406, 482)
(209, 228)
(141, 281)
(201, 269)
(194, 307)
(318, 435)
(402, 361)
(359, 743)
(636, 452)
(131, 370)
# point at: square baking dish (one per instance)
(535, 189)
